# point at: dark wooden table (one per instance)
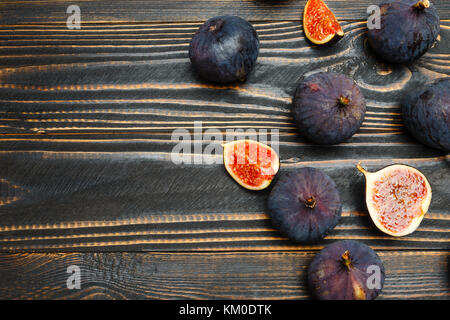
(86, 118)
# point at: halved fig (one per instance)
(320, 24)
(252, 164)
(397, 198)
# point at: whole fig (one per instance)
(328, 107)
(346, 270)
(427, 115)
(305, 205)
(224, 49)
(408, 28)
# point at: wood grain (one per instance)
(280, 275)
(138, 11)
(85, 136)
(81, 83)
(86, 122)
(59, 201)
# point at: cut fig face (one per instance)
(319, 23)
(397, 198)
(251, 164)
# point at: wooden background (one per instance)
(86, 118)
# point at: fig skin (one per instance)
(224, 49)
(427, 115)
(406, 32)
(340, 272)
(328, 108)
(305, 205)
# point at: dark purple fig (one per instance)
(427, 115)
(346, 270)
(224, 49)
(305, 205)
(408, 28)
(328, 107)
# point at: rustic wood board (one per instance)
(277, 275)
(86, 118)
(79, 201)
(138, 11)
(86, 123)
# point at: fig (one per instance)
(320, 24)
(346, 270)
(427, 116)
(408, 28)
(251, 164)
(397, 197)
(328, 107)
(224, 49)
(305, 205)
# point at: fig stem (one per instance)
(361, 169)
(346, 259)
(242, 77)
(343, 101)
(216, 27)
(422, 4)
(310, 202)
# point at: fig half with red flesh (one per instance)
(397, 198)
(251, 164)
(320, 24)
(346, 270)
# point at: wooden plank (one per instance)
(281, 275)
(86, 118)
(98, 11)
(61, 201)
(86, 123)
(88, 84)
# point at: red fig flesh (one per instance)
(251, 164)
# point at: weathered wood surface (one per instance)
(138, 11)
(277, 275)
(86, 119)
(116, 201)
